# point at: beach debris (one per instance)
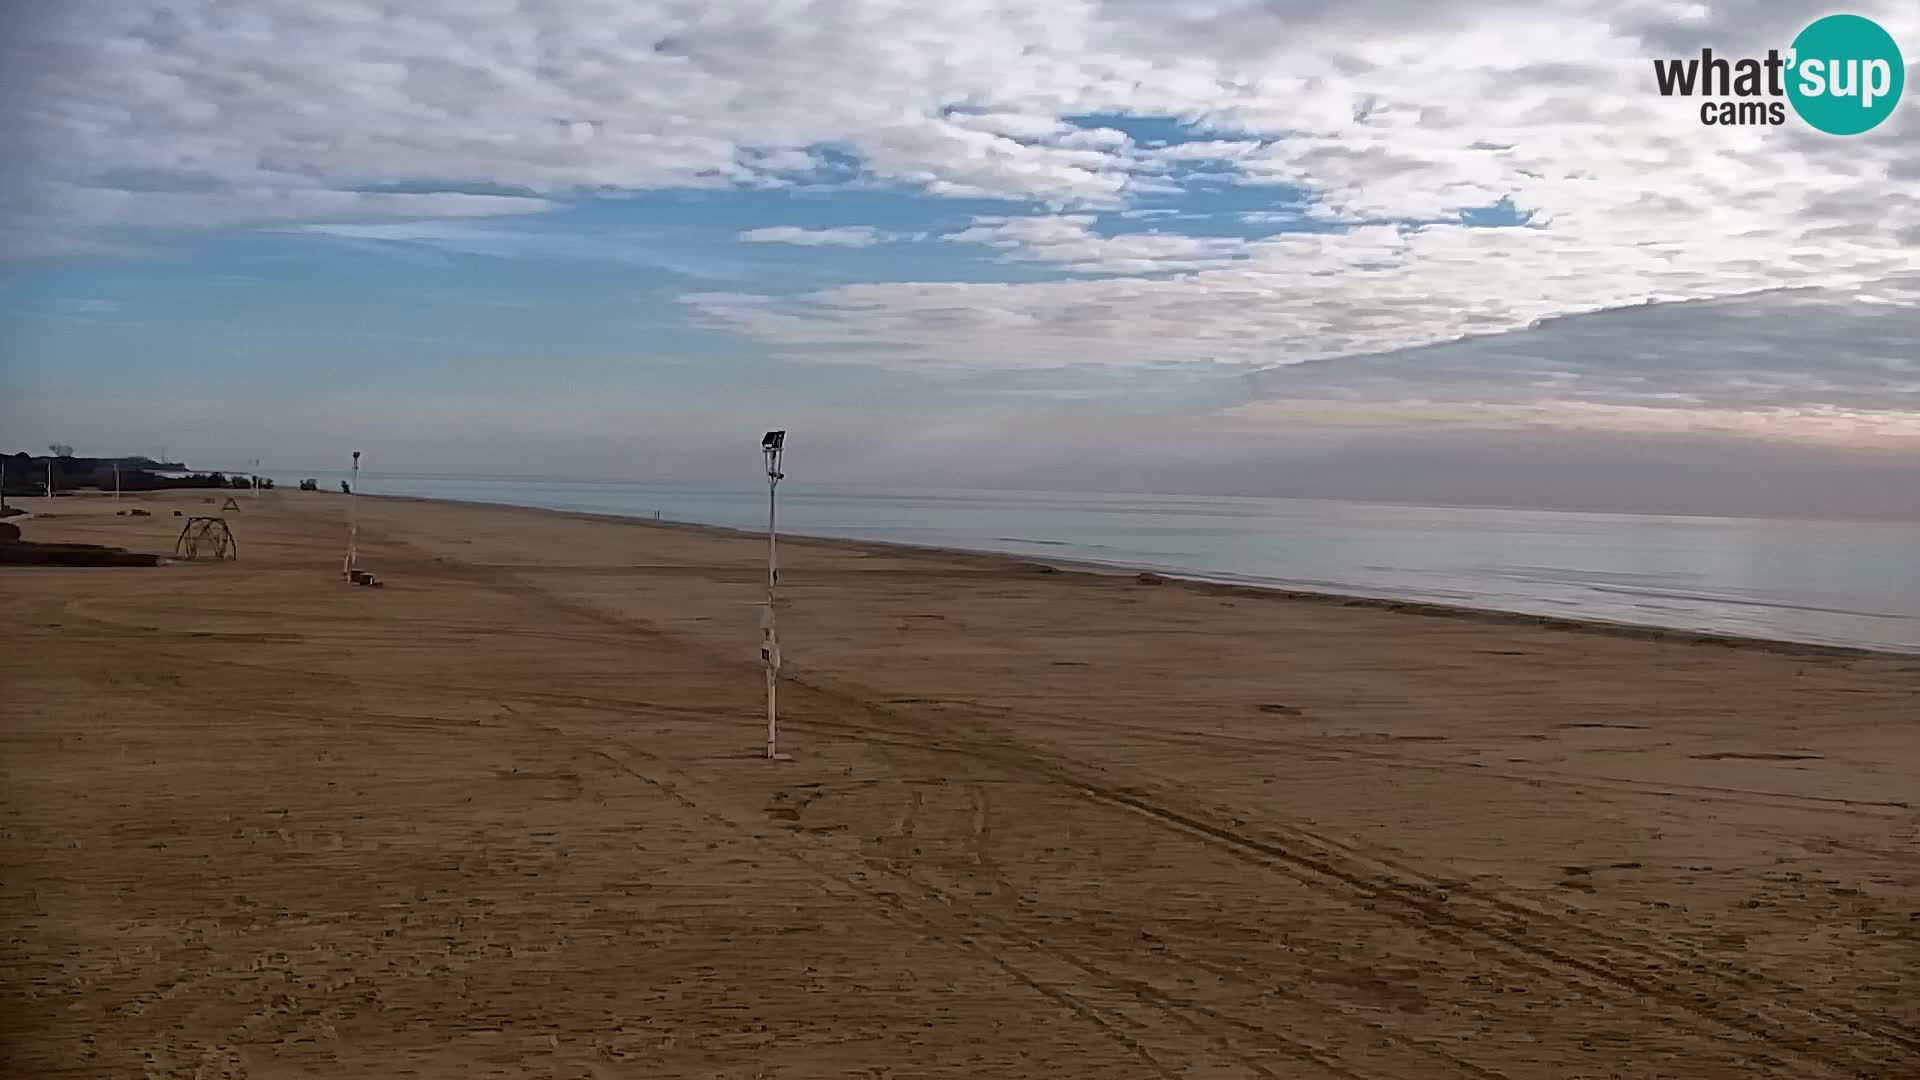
(136, 512)
(206, 538)
(229, 505)
(1150, 579)
(362, 577)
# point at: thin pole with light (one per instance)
(353, 519)
(772, 445)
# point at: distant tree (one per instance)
(60, 449)
(19, 473)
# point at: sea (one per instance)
(1825, 582)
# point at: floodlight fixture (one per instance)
(772, 447)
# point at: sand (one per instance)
(505, 817)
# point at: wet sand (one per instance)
(505, 816)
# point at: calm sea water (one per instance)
(1849, 583)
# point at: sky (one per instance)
(1388, 249)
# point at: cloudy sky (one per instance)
(1388, 248)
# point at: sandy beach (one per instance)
(506, 816)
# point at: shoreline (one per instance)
(1911, 517)
(1216, 586)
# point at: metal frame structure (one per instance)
(206, 537)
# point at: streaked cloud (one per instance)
(1814, 351)
(851, 236)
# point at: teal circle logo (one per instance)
(1846, 74)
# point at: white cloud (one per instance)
(1070, 243)
(1013, 125)
(1884, 432)
(269, 205)
(852, 236)
(83, 306)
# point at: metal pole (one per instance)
(353, 518)
(773, 723)
(116, 480)
(771, 446)
(773, 578)
(49, 479)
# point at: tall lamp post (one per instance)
(771, 447)
(353, 519)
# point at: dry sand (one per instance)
(503, 817)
